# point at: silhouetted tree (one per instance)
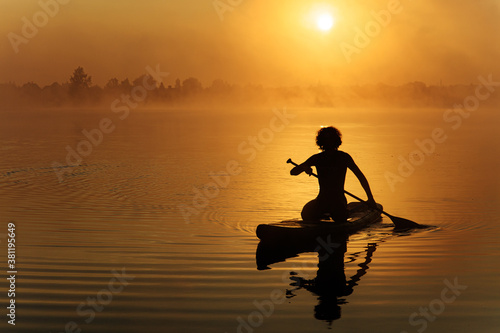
(125, 86)
(144, 79)
(159, 93)
(219, 86)
(54, 95)
(112, 87)
(191, 86)
(31, 89)
(79, 83)
(112, 84)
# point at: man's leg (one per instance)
(311, 211)
(340, 214)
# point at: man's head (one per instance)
(329, 138)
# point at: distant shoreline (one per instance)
(415, 94)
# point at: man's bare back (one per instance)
(332, 166)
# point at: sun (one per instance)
(322, 17)
(325, 22)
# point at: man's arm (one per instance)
(362, 179)
(304, 167)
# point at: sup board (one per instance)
(360, 216)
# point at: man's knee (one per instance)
(310, 211)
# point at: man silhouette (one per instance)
(331, 165)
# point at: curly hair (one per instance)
(328, 138)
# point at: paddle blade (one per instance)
(403, 224)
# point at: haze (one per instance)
(269, 42)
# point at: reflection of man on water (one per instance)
(330, 283)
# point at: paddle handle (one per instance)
(346, 192)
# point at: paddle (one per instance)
(399, 222)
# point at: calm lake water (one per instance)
(125, 242)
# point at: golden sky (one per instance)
(271, 42)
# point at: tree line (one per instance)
(79, 90)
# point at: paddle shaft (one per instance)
(348, 193)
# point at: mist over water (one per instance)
(120, 209)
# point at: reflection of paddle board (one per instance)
(360, 216)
